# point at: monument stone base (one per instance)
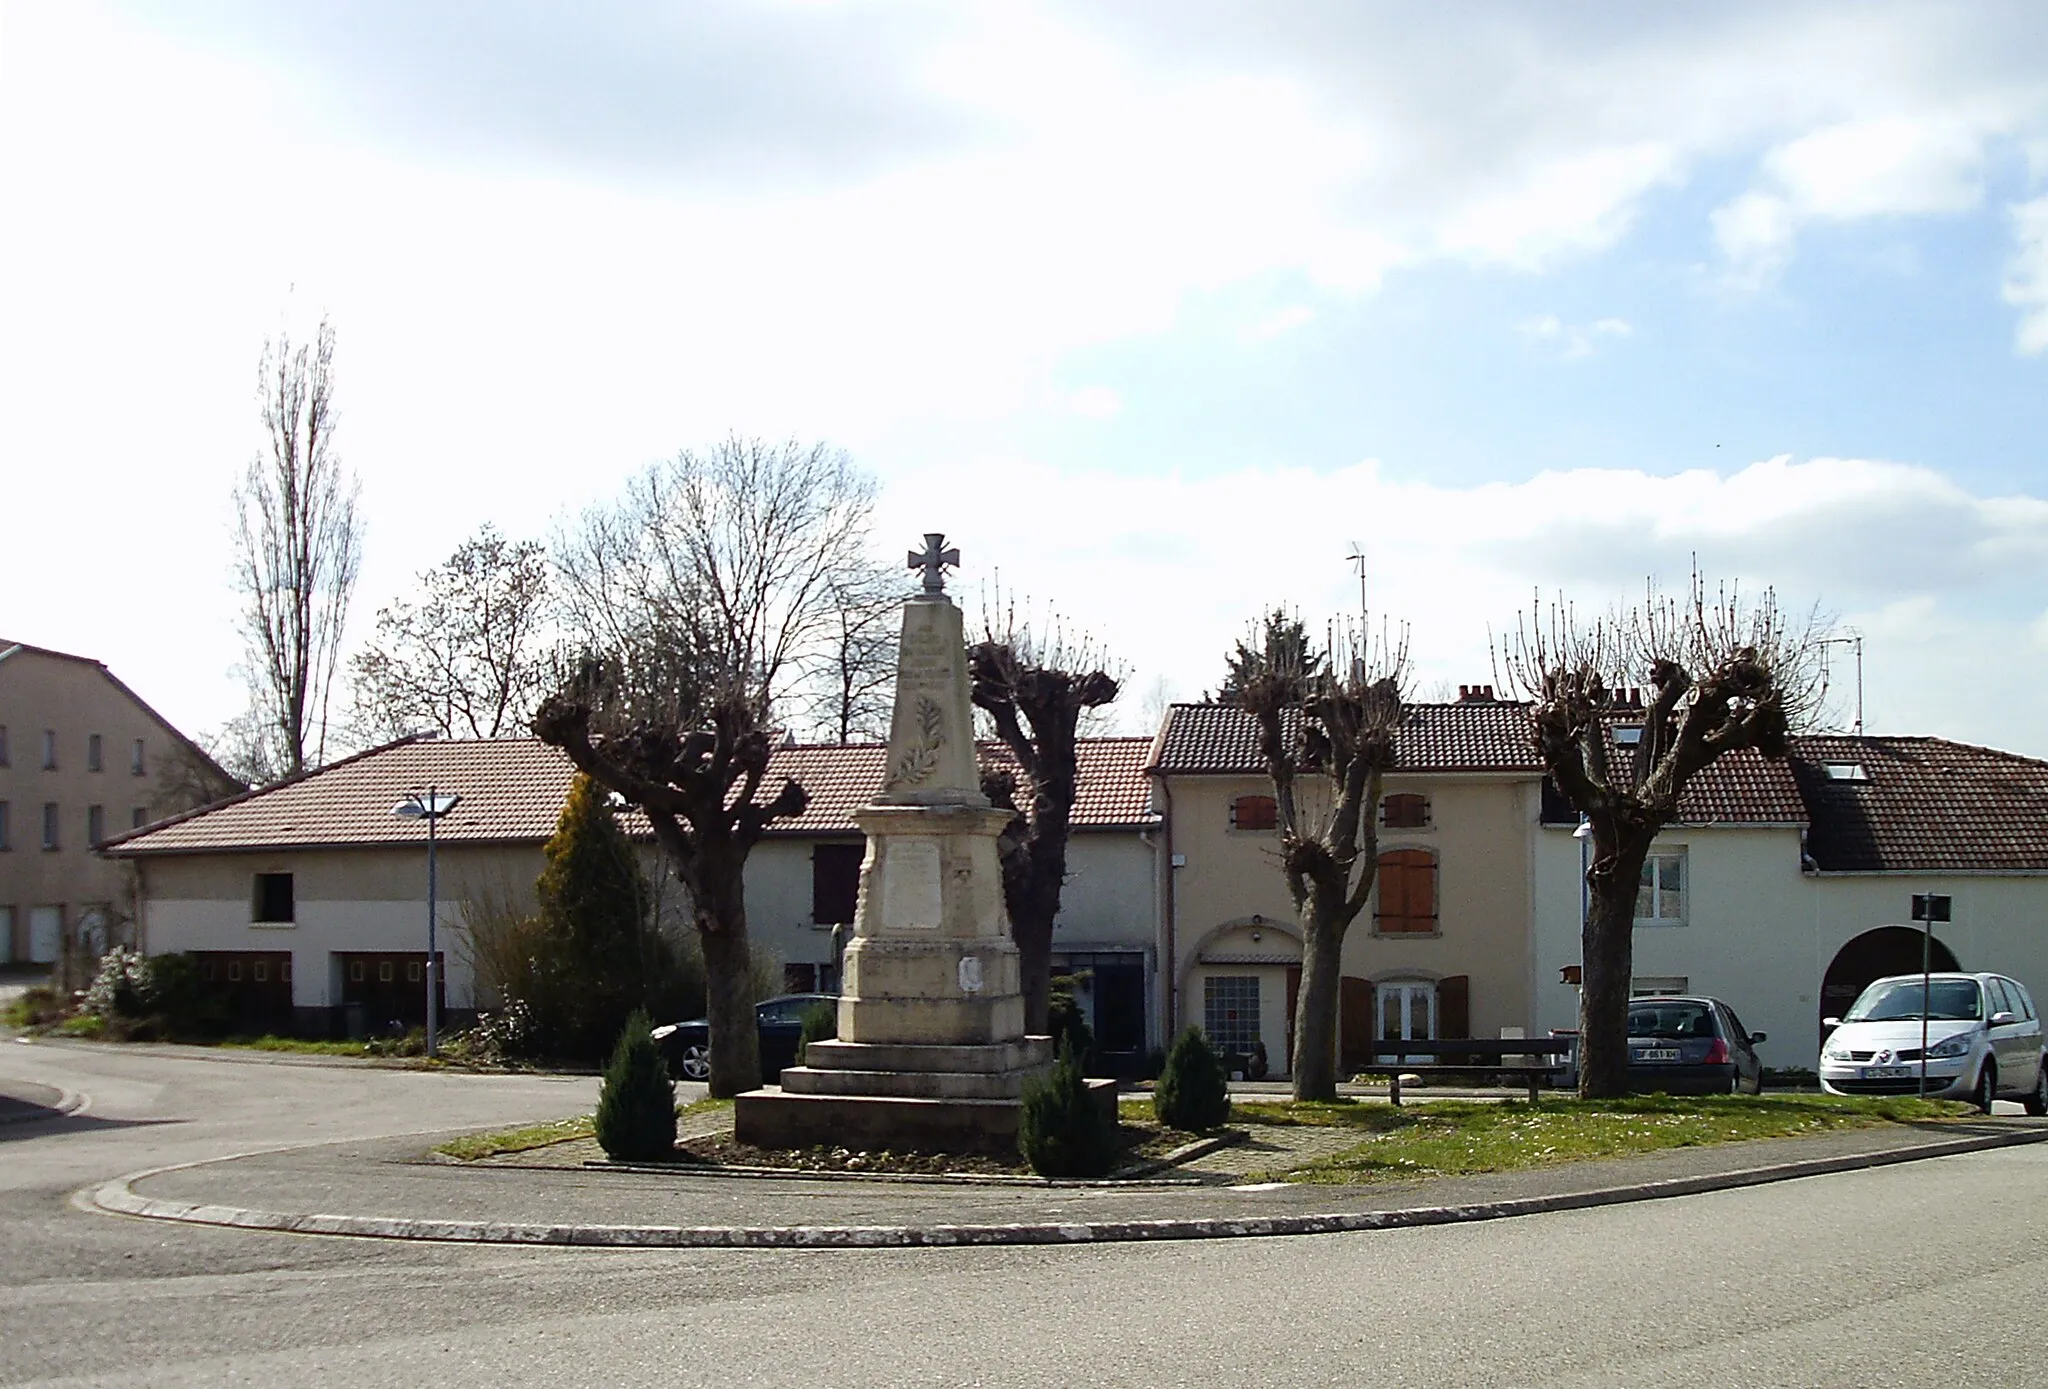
(904, 1097)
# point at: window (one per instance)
(412, 971)
(1656, 985)
(137, 818)
(384, 975)
(136, 763)
(234, 971)
(1405, 811)
(799, 979)
(95, 823)
(1407, 893)
(1660, 901)
(1230, 1012)
(355, 971)
(1254, 813)
(1628, 735)
(49, 749)
(260, 971)
(1845, 771)
(272, 899)
(3, 744)
(835, 882)
(92, 752)
(6, 840)
(50, 824)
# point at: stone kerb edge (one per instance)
(119, 1197)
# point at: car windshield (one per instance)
(1671, 1020)
(1900, 999)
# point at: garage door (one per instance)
(45, 934)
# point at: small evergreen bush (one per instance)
(821, 1024)
(1062, 1132)
(636, 1110)
(1065, 1020)
(1193, 1093)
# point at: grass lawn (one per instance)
(304, 1045)
(1455, 1138)
(470, 1147)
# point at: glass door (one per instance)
(1405, 1009)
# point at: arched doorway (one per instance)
(1873, 955)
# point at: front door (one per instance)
(1404, 1009)
(45, 934)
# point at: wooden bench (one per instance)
(1483, 1053)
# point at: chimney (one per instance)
(1475, 694)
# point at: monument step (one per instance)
(1025, 1053)
(923, 1085)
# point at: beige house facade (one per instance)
(82, 758)
(1445, 947)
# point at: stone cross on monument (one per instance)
(931, 1053)
(934, 559)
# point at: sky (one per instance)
(1160, 313)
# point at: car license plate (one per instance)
(1888, 1072)
(1657, 1054)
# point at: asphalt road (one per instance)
(1921, 1274)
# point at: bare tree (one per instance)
(856, 678)
(298, 547)
(1036, 690)
(469, 656)
(1327, 739)
(705, 596)
(1724, 674)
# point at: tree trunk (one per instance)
(1315, 1016)
(1034, 961)
(729, 1006)
(1607, 960)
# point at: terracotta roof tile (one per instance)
(1483, 736)
(1469, 736)
(512, 791)
(1924, 805)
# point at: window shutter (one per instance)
(1422, 891)
(1393, 887)
(1454, 1006)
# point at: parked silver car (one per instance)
(1983, 1041)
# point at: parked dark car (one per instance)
(687, 1045)
(1691, 1046)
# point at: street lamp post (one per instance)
(430, 806)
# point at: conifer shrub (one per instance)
(636, 1109)
(821, 1024)
(1193, 1093)
(1066, 1022)
(1063, 1132)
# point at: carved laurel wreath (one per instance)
(921, 758)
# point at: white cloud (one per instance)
(1572, 342)
(1279, 323)
(1898, 165)
(2026, 277)
(1095, 403)
(1920, 565)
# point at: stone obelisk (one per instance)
(931, 1052)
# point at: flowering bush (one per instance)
(125, 987)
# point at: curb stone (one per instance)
(119, 1197)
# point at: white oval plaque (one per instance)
(970, 974)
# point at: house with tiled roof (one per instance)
(82, 757)
(1787, 886)
(306, 900)
(1445, 947)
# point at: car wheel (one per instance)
(2037, 1098)
(1987, 1087)
(694, 1061)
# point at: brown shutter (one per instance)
(1393, 885)
(1454, 1006)
(1422, 891)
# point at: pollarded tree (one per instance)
(1036, 692)
(1327, 739)
(703, 598)
(1723, 675)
